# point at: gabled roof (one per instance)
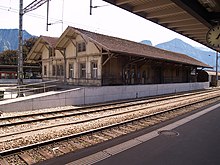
(36, 50)
(122, 46)
(51, 41)
(114, 45)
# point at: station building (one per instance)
(81, 57)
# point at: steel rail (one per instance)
(87, 120)
(114, 104)
(90, 111)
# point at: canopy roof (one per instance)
(191, 18)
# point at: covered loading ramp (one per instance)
(191, 18)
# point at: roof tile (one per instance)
(50, 40)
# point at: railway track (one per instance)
(9, 130)
(71, 111)
(90, 126)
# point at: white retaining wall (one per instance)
(89, 95)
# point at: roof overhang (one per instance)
(189, 63)
(67, 36)
(191, 18)
(70, 34)
(36, 52)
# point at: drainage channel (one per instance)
(168, 133)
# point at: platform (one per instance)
(195, 142)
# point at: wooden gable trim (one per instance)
(84, 37)
(71, 40)
(62, 51)
(110, 56)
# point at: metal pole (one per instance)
(20, 48)
(84, 95)
(34, 5)
(47, 15)
(216, 68)
(90, 7)
(65, 68)
(20, 42)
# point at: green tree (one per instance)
(27, 46)
(8, 57)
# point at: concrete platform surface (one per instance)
(192, 140)
(198, 143)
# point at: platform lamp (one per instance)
(213, 39)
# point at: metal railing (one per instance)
(29, 89)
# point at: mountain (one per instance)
(9, 38)
(147, 42)
(204, 49)
(179, 46)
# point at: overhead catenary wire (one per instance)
(55, 20)
(13, 10)
(34, 5)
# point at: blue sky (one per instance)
(109, 20)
